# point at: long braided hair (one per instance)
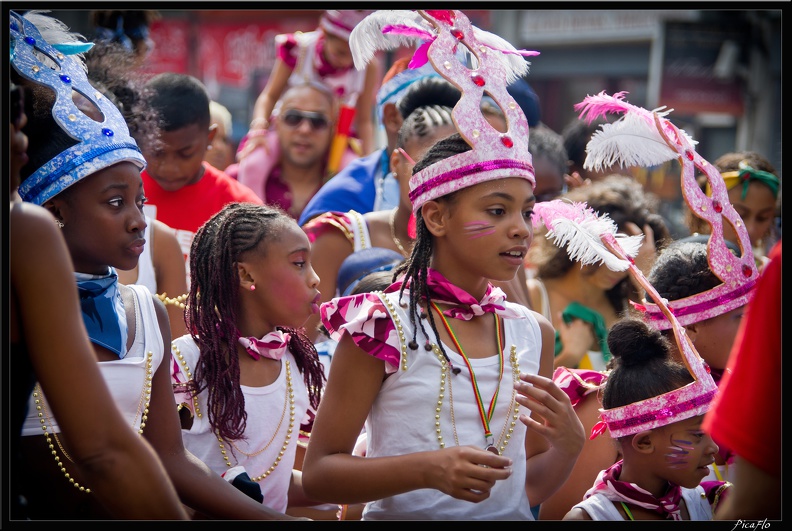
(415, 268)
(213, 310)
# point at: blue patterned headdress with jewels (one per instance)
(100, 144)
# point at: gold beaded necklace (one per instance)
(289, 400)
(44, 418)
(484, 414)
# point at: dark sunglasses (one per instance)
(294, 118)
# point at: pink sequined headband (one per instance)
(443, 35)
(645, 138)
(591, 239)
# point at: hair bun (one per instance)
(634, 343)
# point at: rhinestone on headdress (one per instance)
(100, 143)
(442, 34)
(644, 138)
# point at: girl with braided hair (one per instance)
(246, 375)
(428, 388)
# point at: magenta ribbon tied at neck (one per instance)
(464, 305)
(272, 345)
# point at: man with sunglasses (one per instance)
(304, 125)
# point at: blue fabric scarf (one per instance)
(103, 310)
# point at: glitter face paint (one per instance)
(679, 454)
(477, 229)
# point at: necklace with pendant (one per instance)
(485, 414)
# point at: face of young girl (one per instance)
(757, 211)
(490, 227)
(337, 51)
(715, 336)
(286, 282)
(685, 452)
(103, 219)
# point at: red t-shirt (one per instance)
(746, 413)
(186, 209)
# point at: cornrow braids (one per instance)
(415, 268)
(213, 311)
(422, 122)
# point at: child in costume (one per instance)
(321, 57)
(452, 381)
(247, 374)
(653, 406)
(663, 461)
(718, 282)
(43, 305)
(87, 174)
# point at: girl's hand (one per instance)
(256, 138)
(560, 424)
(647, 252)
(466, 472)
(577, 337)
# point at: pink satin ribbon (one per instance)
(272, 345)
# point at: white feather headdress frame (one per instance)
(590, 239)
(493, 63)
(388, 30)
(645, 138)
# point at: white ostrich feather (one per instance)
(515, 64)
(367, 38)
(580, 229)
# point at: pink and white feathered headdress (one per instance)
(645, 138)
(591, 239)
(440, 35)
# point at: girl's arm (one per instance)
(555, 434)
(170, 272)
(198, 486)
(265, 102)
(110, 455)
(332, 474)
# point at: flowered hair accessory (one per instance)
(494, 64)
(100, 143)
(341, 22)
(591, 239)
(644, 138)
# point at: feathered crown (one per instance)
(591, 239)
(644, 138)
(496, 63)
(100, 144)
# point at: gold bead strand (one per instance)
(399, 328)
(282, 452)
(183, 362)
(175, 301)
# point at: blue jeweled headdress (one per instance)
(100, 144)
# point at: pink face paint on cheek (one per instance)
(679, 455)
(477, 229)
